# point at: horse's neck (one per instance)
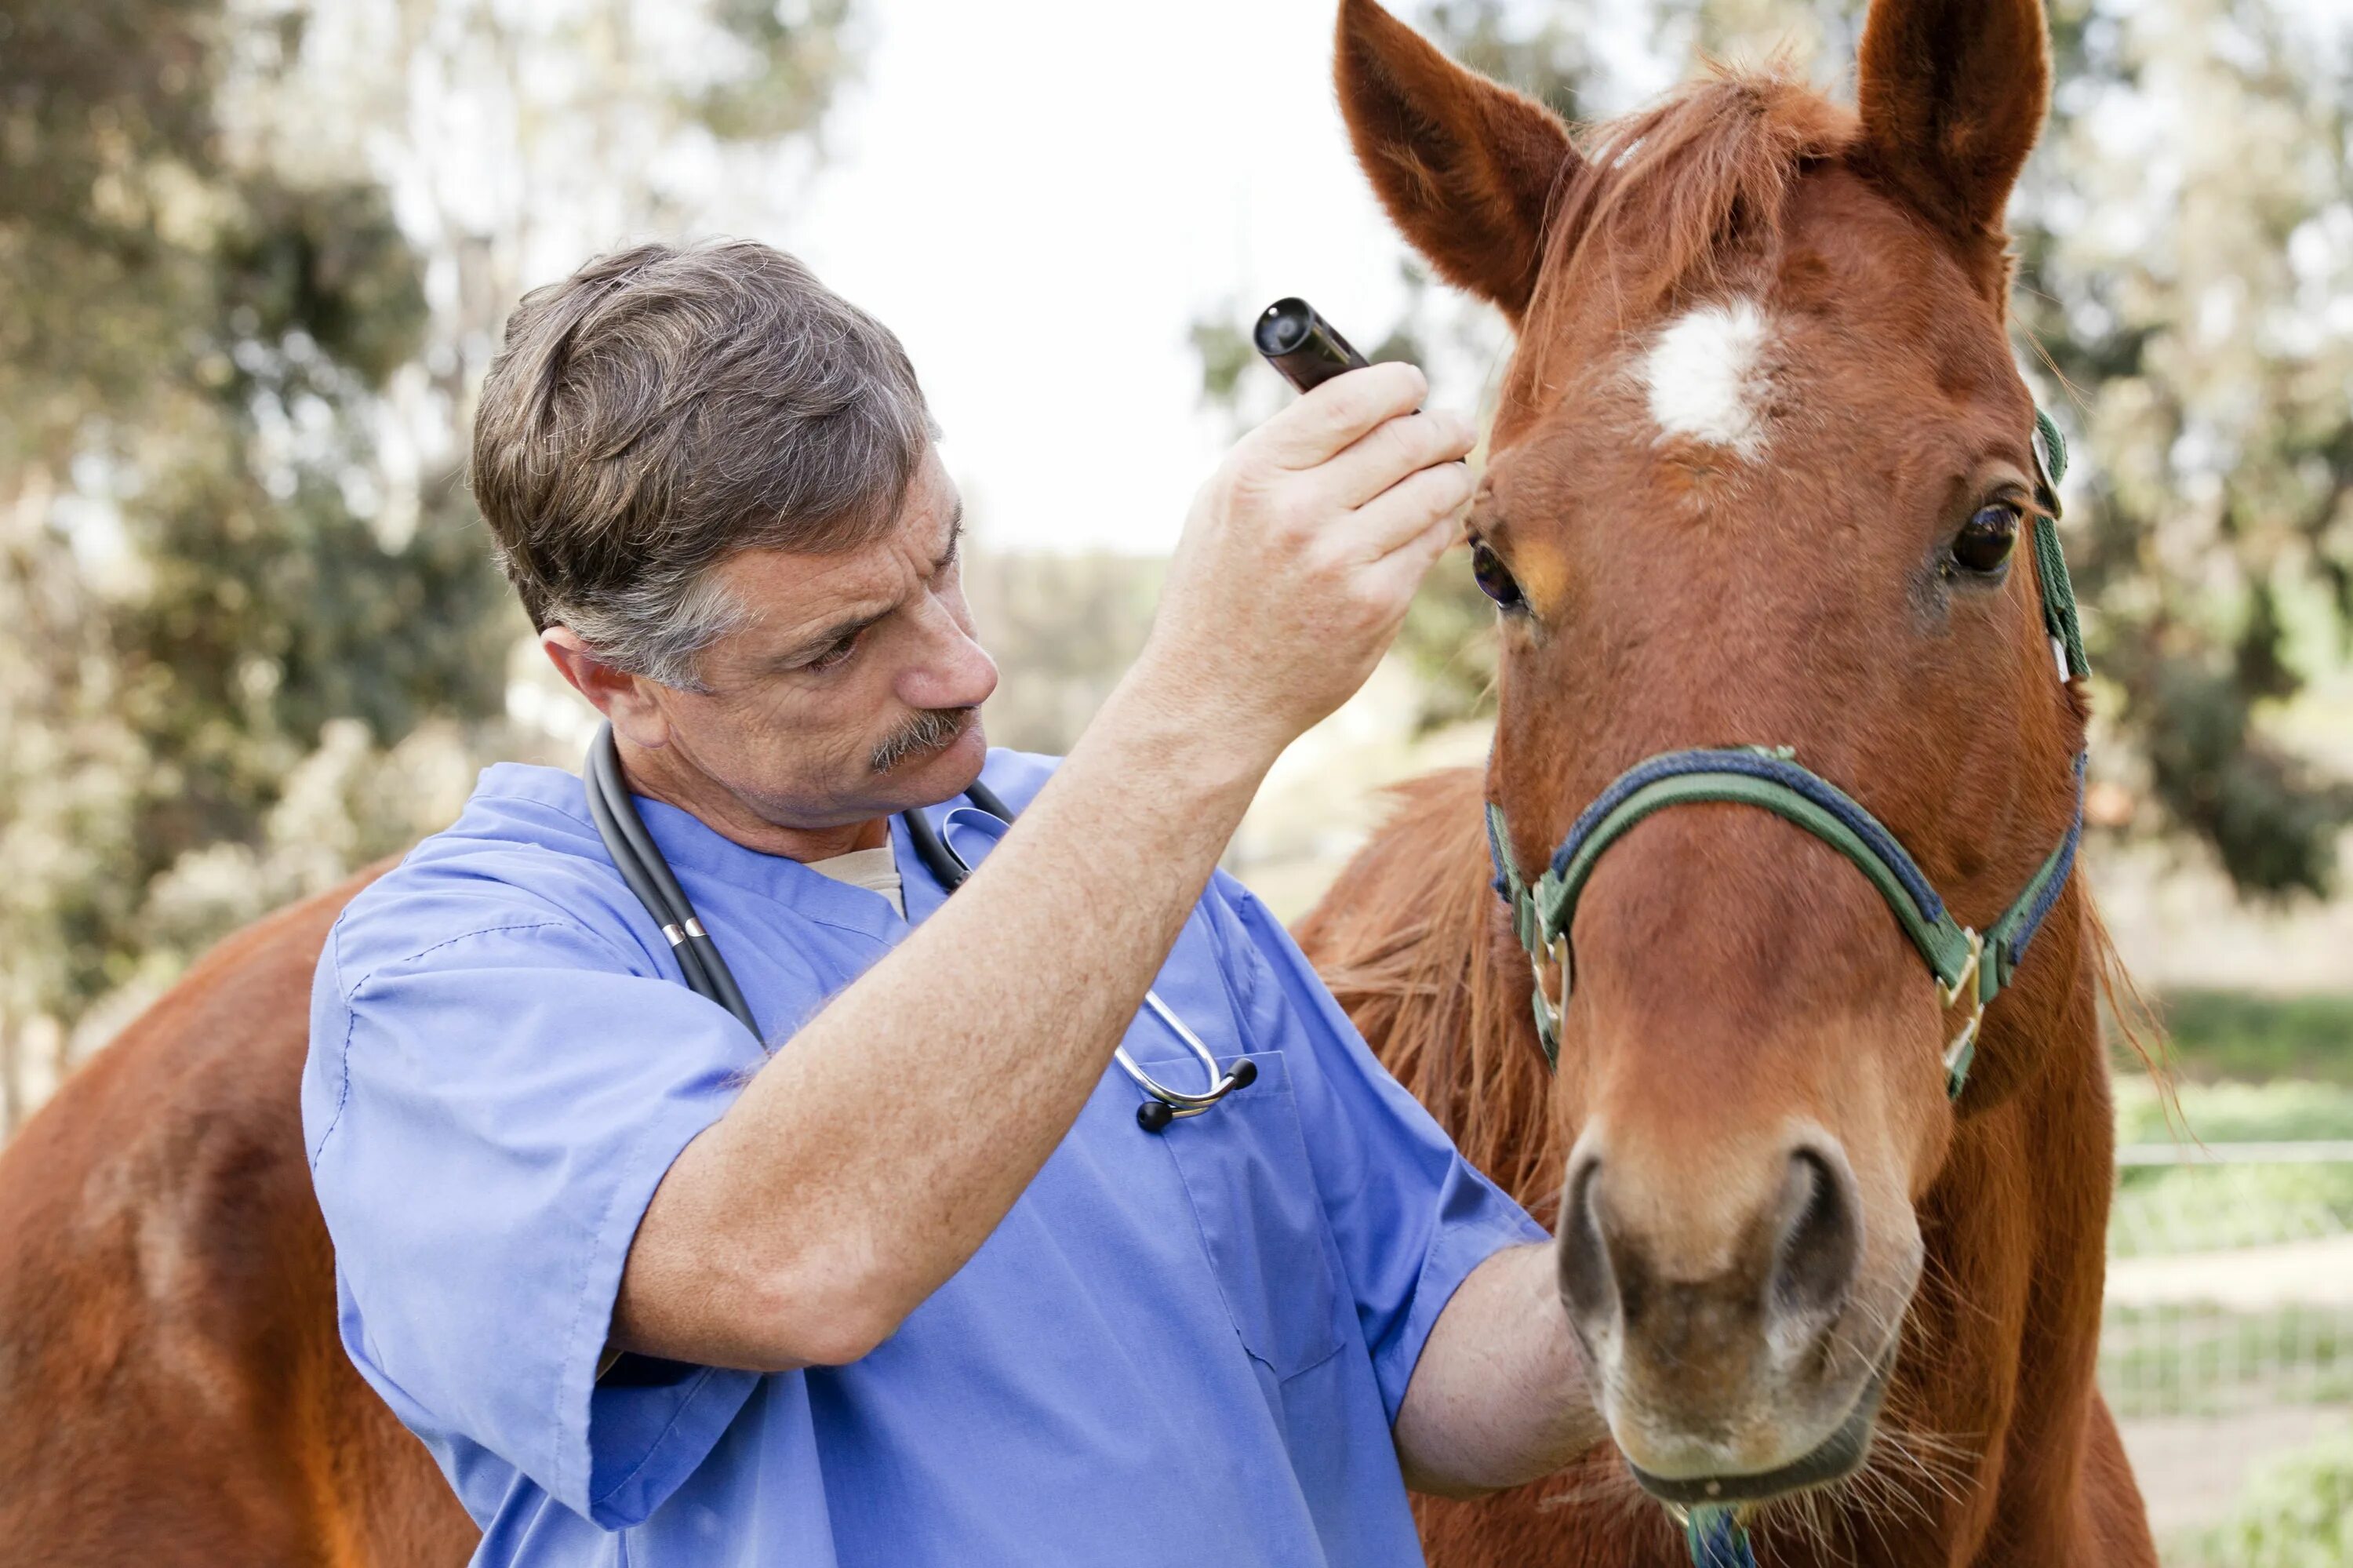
(2002, 1339)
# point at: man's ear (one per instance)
(1465, 168)
(626, 699)
(1953, 95)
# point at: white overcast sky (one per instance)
(1039, 196)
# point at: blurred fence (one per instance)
(2230, 1279)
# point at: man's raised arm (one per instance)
(874, 1154)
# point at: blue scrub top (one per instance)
(1182, 1349)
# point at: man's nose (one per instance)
(952, 670)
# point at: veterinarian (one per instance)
(901, 1279)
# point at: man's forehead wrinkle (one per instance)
(788, 606)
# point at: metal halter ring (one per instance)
(1963, 1046)
(1548, 1005)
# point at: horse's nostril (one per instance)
(1821, 1241)
(1587, 1280)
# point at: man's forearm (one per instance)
(869, 1159)
(1499, 1397)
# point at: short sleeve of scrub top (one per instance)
(504, 1063)
(497, 1157)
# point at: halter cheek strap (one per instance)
(1970, 967)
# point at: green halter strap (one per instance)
(1970, 967)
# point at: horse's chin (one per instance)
(1835, 1457)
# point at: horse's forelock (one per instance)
(1680, 199)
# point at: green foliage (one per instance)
(193, 342)
(793, 55)
(239, 653)
(2296, 1513)
(2186, 274)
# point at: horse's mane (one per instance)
(1412, 941)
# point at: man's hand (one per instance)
(1301, 552)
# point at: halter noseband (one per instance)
(1970, 967)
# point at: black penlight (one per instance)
(1304, 349)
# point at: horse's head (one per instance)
(1762, 474)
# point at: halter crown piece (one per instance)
(1971, 968)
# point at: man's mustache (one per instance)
(933, 729)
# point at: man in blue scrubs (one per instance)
(901, 1280)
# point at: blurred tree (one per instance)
(1064, 628)
(250, 633)
(2186, 240)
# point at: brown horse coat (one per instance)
(172, 1387)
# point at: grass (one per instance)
(2296, 1513)
(2241, 1036)
(2197, 1208)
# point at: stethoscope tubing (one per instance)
(950, 869)
(643, 866)
(649, 875)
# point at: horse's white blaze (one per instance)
(1705, 377)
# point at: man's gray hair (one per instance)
(666, 407)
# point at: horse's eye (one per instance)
(1986, 540)
(1495, 578)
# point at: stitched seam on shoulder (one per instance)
(343, 1053)
(351, 1013)
(360, 984)
(343, 1090)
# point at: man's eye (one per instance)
(1495, 578)
(835, 654)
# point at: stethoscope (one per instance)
(643, 867)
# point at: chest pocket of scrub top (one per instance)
(1244, 1165)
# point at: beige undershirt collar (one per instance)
(875, 869)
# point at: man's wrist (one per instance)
(1166, 721)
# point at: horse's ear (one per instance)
(1465, 168)
(1953, 94)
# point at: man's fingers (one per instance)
(1394, 449)
(1400, 572)
(1398, 516)
(1337, 413)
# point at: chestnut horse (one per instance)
(1762, 383)
(1760, 458)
